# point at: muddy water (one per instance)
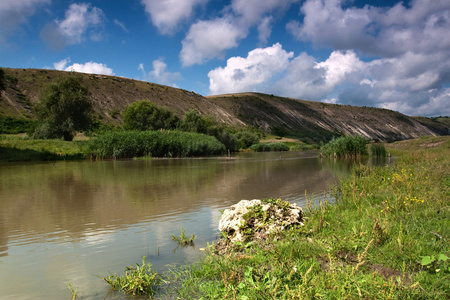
(75, 221)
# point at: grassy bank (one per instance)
(386, 237)
(20, 148)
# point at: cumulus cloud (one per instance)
(160, 74)
(80, 20)
(251, 11)
(89, 67)
(14, 13)
(385, 32)
(167, 15)
(411, 83)
(209, 39)
(250, 73)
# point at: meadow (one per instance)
(383, 234)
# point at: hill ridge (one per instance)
(307, 120)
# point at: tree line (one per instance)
(65, 109)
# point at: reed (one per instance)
(346, 146)
(161, 143)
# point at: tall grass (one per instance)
(129, 144)
(378, 150)
(346, 146)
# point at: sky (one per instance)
(386, 54)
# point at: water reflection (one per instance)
(70, 221)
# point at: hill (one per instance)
(307, 120)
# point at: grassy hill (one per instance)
(306, 120)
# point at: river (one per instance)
(76, 221)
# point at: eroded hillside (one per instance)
(308, 120)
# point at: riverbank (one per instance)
(386, 237)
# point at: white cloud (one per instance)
(167, 15)
(13, 13)
(250, 73)
(265, 29)
(341, 66)
(209, 39)
(89, 67)
(160, 74)
(121, 25)
(386, 32)
(80, 20)
(60, 65)
(251, 11)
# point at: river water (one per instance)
(75, 222)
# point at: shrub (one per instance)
(15, 125)
(245, 139)
(145, 115)
(129, 144)
(268, 147)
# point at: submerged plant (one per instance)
(183, 239)
(136, 281)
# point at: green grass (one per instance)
(377, 241)
(20, 148)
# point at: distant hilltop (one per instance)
(309, 121)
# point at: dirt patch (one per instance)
(431, 145)
(387, 273)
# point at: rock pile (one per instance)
(256, 219)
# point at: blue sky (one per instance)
(387, 54)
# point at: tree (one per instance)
(193, 122)
(63, 109)
(145, 115)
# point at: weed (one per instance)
(183, 240)
(73, 291)
(136, 281)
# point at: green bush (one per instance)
(162, 143)
(268, 147)
(346, 146)
(15, 125)
(245, 139)
(145, 115)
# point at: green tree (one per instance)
(145, 115)
(63, 109)
(245, 139)
(193, 122)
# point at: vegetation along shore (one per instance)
(384, 233)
